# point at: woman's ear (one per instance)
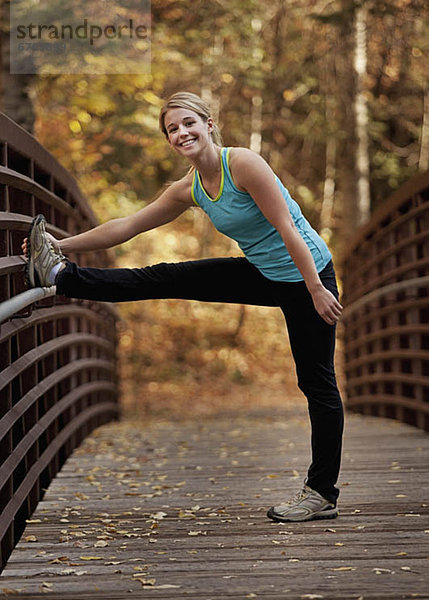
(210, 124)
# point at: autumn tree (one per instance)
(283, 78)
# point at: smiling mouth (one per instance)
(188, 142)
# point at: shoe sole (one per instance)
(31, 277)
(331, 514)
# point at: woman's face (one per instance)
(187, 133)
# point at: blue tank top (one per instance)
(235, 214)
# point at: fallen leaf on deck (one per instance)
(186, 514)
(73, 572)
(81, 496)
(145, 582)
(380, 571)
(409, 570)
(30, 538)
(91, 557)
(135, 559)
(101, 544)
(159, 515)
(344, 569)
(58, 560)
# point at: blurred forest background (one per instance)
(334, 94)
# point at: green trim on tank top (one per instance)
(224, 151)
(192, 190)
(222, 182)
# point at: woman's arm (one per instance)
(170, 204)
(252, 174)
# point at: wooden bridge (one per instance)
(177, 510)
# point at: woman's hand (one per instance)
(55, 243)
(327, 305)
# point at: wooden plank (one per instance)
(177, 510)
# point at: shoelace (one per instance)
(51, 245)
(57, 252)
(298, 496)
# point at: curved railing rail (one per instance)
(386, 320)
(57, 357)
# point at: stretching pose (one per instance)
(285, 264)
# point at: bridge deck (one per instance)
(178, 511)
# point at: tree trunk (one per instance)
(256, 124)
(424, 140)
(3, 21)
(329, 87)
(361, 117)
(274, 84)
(328, 189)
(15, 99)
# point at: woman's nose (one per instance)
(182, 130)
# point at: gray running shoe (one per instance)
(306, 505)
(41, 255)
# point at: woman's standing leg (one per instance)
(313, 344)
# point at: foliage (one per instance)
(297, 58)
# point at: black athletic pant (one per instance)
(235, 280)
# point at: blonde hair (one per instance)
(191, 102)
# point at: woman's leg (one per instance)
(235, 280)
(232, 280)
(313, 343)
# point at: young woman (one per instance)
(285, 264)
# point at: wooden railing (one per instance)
(386, 320)
(57, 357)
